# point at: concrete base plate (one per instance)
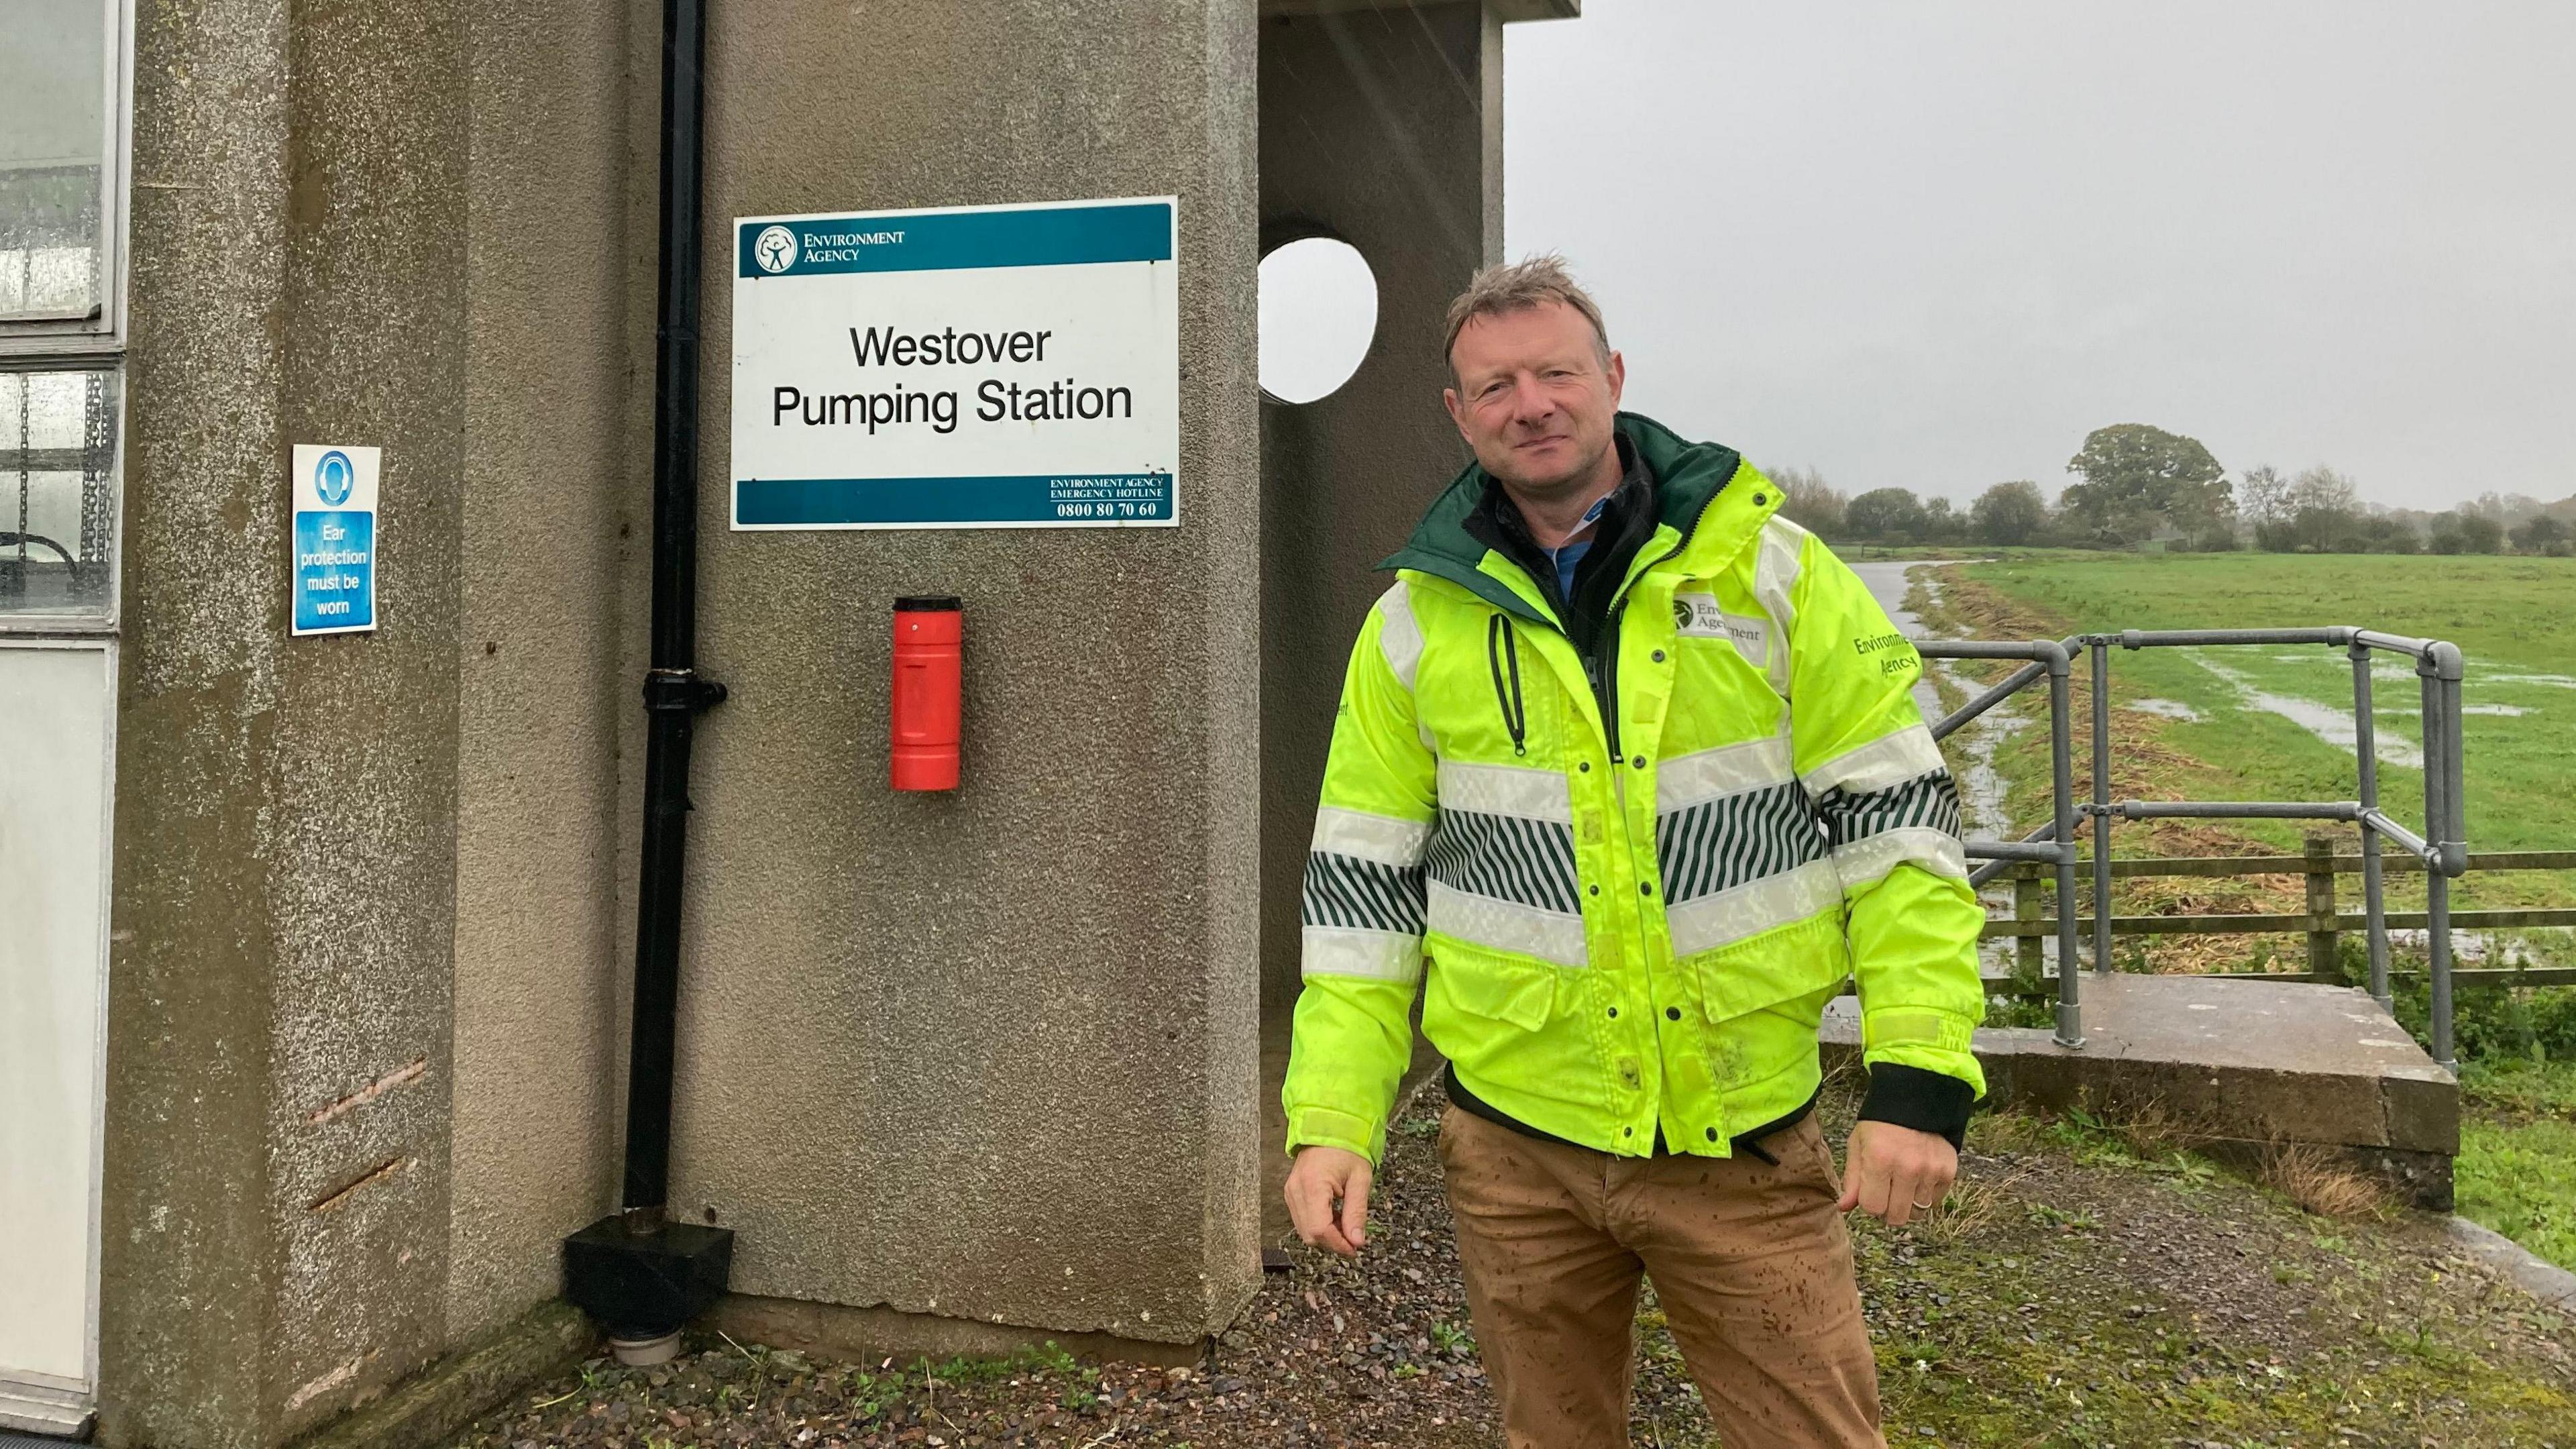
(40, 1409)
(2247, 1063)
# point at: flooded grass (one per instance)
(2276, 723)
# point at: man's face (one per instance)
(1535, 398)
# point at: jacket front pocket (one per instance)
(1796, 960)
(1515, 993)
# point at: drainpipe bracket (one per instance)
(681, 690)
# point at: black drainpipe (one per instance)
(638, 1273)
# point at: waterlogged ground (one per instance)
(2081, 1289)
(2277, 723)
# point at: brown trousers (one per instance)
(1750, 1261)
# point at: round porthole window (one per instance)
(1318, 315)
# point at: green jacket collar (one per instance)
(1688, 477)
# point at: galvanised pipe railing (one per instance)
(2049, 658)
(2443, 847)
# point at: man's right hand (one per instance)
(1328, 1198)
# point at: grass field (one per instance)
(2274, 724)
(2514, 619)
(2517, 1164)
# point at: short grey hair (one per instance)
(1517, 287)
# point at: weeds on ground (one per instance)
(2311, 1177)
(2521, 1181)
(2519, 1089)
(1450, 1337)
(2516, 1171)
(2529, 1024)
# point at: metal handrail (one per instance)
(2442, 847)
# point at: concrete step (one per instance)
(2242, 1066)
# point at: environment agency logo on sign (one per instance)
(967, 367)
(775, 249)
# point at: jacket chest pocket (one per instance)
(1491, 696)
(1724, 673)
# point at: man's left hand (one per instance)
(1896, 1173)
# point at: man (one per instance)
(1634, 767)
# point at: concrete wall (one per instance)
(988, 1054)
(556, 522)
(275, 1239)
(1344, 479)
(988, 1057)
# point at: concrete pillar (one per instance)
(987, 1055)
(275, 1236)
(1417, 91)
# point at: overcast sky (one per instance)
(1934, 243)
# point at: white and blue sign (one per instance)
(334, 590)
(977, 367)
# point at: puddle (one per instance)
(1981, 787)
(2385, 668)
(2327, 722)
(2479, 947)
(2399, 671)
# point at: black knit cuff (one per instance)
(1924, 1101)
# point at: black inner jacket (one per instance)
(1627, 520)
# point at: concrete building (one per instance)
(314, 951)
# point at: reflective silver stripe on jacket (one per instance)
(1776, 564)
(1754, 907)
(1888, 803)
(1501, 862)
(1362, 912)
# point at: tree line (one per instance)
(2142, 487)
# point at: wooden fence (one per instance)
(2323, 922)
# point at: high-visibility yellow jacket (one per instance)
(1631, 924)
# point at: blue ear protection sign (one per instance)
(334, 535)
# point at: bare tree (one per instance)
(2323, 487)
(1809, 501)
(2263, 496)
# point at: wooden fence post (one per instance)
(2026, 950)
(2321, 908)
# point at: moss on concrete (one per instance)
(449, 1394)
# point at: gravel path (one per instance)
(2079, 1291)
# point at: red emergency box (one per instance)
(929, 634)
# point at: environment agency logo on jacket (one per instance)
(1625, 893)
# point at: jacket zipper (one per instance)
(1501, 643)
(1605, 679)
(1605, 670)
